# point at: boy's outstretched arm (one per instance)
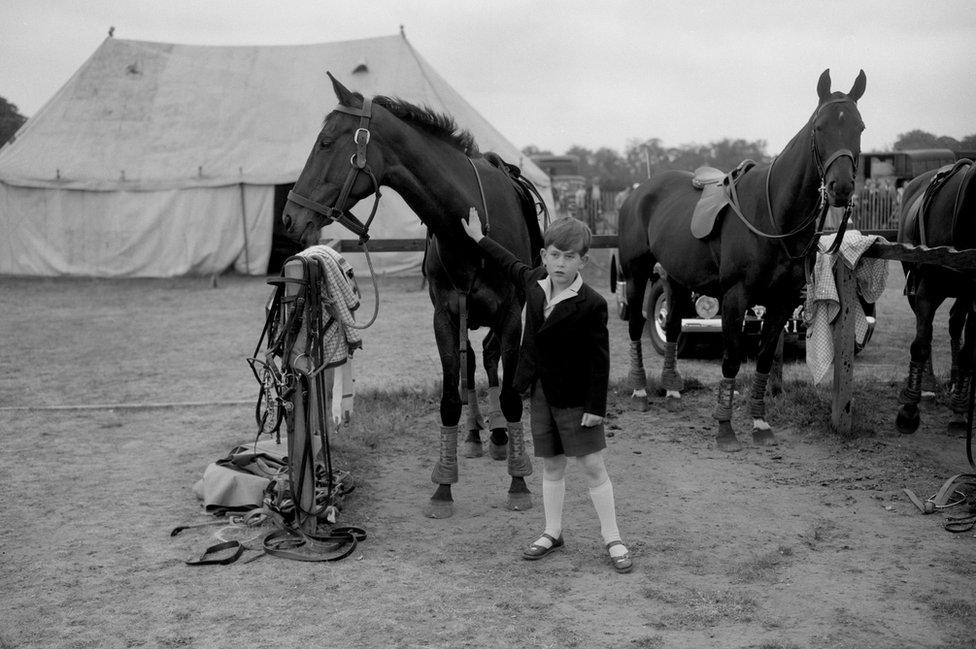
(517, 271)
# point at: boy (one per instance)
(565, 361)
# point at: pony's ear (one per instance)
(823, 85)
(858, 88)
(343, 94)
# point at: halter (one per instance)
(822, 206)
(358, 164)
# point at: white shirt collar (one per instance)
(552, 300)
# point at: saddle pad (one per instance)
(912, 230)
(713, 200)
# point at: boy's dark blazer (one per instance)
(569, 353)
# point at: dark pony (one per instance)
(439, 172)
(937, 209)
(755, 254)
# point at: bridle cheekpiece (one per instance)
(358, 164)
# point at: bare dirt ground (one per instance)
(807, 544)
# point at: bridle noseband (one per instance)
(358, 164)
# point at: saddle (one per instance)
(715, 186)
(524, 187)
(913, 228)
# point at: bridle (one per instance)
(822, 206)
(358, 164)
(338, 212)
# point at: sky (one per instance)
(559, 73)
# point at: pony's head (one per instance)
(341, 170)
(835, 129)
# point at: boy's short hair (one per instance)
(567, 233)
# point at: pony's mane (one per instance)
(439, 125)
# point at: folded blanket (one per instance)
(823, 303)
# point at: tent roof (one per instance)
(141, 115)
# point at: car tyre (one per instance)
(657, 301)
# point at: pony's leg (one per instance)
(733, 310)
(770, 341)
(498, 441)
(962, 386)
(472, 444)
(957, 320)
(926, 304)
(519, 463)
(636, 286)
(445, 471)
(671, 379)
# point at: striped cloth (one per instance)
(823, 304)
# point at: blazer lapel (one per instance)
(562, 311)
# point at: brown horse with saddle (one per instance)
(937, 210)
(750, 247)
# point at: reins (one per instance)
(819, 213)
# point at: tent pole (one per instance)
(247, 260)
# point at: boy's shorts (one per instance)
(557, 431)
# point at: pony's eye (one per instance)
(325, 143)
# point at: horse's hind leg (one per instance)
(445, 471)
(472, 444)
(498, 440)
(926, 303)
(671, 380)
(961, 307)
(963, 358)
(639, 272)
(519, 463)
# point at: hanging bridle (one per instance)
(358, 164)
(822, 206)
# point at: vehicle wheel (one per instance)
(657, 301)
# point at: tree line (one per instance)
(614, 171)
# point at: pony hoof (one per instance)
(498, 451)
(473, 449)
(673, 394)
(639, 394)
(518, 502)
(907, 420)
(763, 437)
(439, 509)
(957, 427)
(728, 443)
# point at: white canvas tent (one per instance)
(157, 159)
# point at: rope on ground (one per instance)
(129, 406)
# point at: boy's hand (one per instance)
(472, 225)
(590, 420)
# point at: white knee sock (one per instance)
(602, 498)
(553, 494)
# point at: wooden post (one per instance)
(842, 415)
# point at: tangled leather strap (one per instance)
(338, 544)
